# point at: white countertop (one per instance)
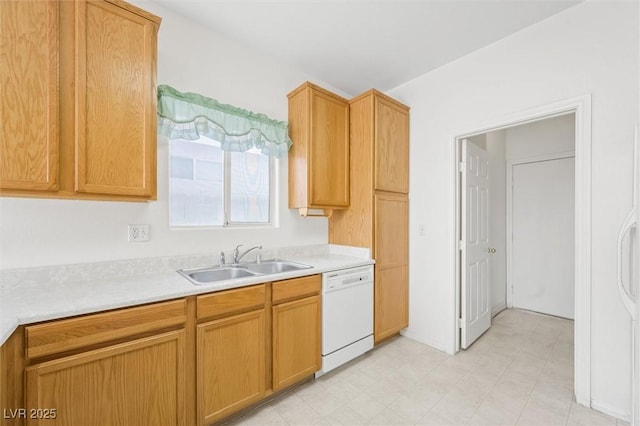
(34, 300)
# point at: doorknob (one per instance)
(491, 250)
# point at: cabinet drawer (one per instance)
(65, 335)
(295, 288)
(231, 301)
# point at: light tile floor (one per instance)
(519, 372)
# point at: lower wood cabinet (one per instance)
(122, 367)
(141, 382)
(231, 364)
(297, 338)
(296, 341)
(391, 295)
(195, 360)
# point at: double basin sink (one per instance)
(242, 270)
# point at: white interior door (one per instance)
(629, 282)
(543, 235)
(475, 288)
(635, 289)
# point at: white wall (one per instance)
(590, 48)
(550, 136)
(478, 140)
(45, 232)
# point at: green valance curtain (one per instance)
(189, 116)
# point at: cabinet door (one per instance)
(391, 296)
(231, 364)
(296, 341)
(328, 151)
(391, 147)
(134, 383)
(391, 229)
(115, 100)
(392, 257)
(29, 95)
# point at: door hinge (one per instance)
(460, 245)
(461, 166)
(460, 323)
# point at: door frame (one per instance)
(509, 203)
(581, 107)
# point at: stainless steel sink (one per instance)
(230, 272)
(275, 266)
(209, 275)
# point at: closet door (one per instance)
(543, 238)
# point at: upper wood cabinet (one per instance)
(115, 100)
(391, 146)
(78, 100)
(29, 136)
(319, 157)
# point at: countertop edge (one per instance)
(9, 322)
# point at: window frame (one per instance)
(226, 195)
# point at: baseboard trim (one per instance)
(609, 410)
(495, 310)
(434, 345)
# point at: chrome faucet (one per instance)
(237, 256)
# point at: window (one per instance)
(221, 160)
(211, 187)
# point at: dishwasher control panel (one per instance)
(346, 278)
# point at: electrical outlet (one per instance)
(421, 230)
(138, 233)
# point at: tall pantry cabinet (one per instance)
(378, 216)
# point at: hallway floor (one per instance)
(519, 372)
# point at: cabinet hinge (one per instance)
(461, 166)
(459, 322)
(460, 245)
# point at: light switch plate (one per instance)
(138, 233)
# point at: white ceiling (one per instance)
(355, 45)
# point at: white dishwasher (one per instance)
(347, 316)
